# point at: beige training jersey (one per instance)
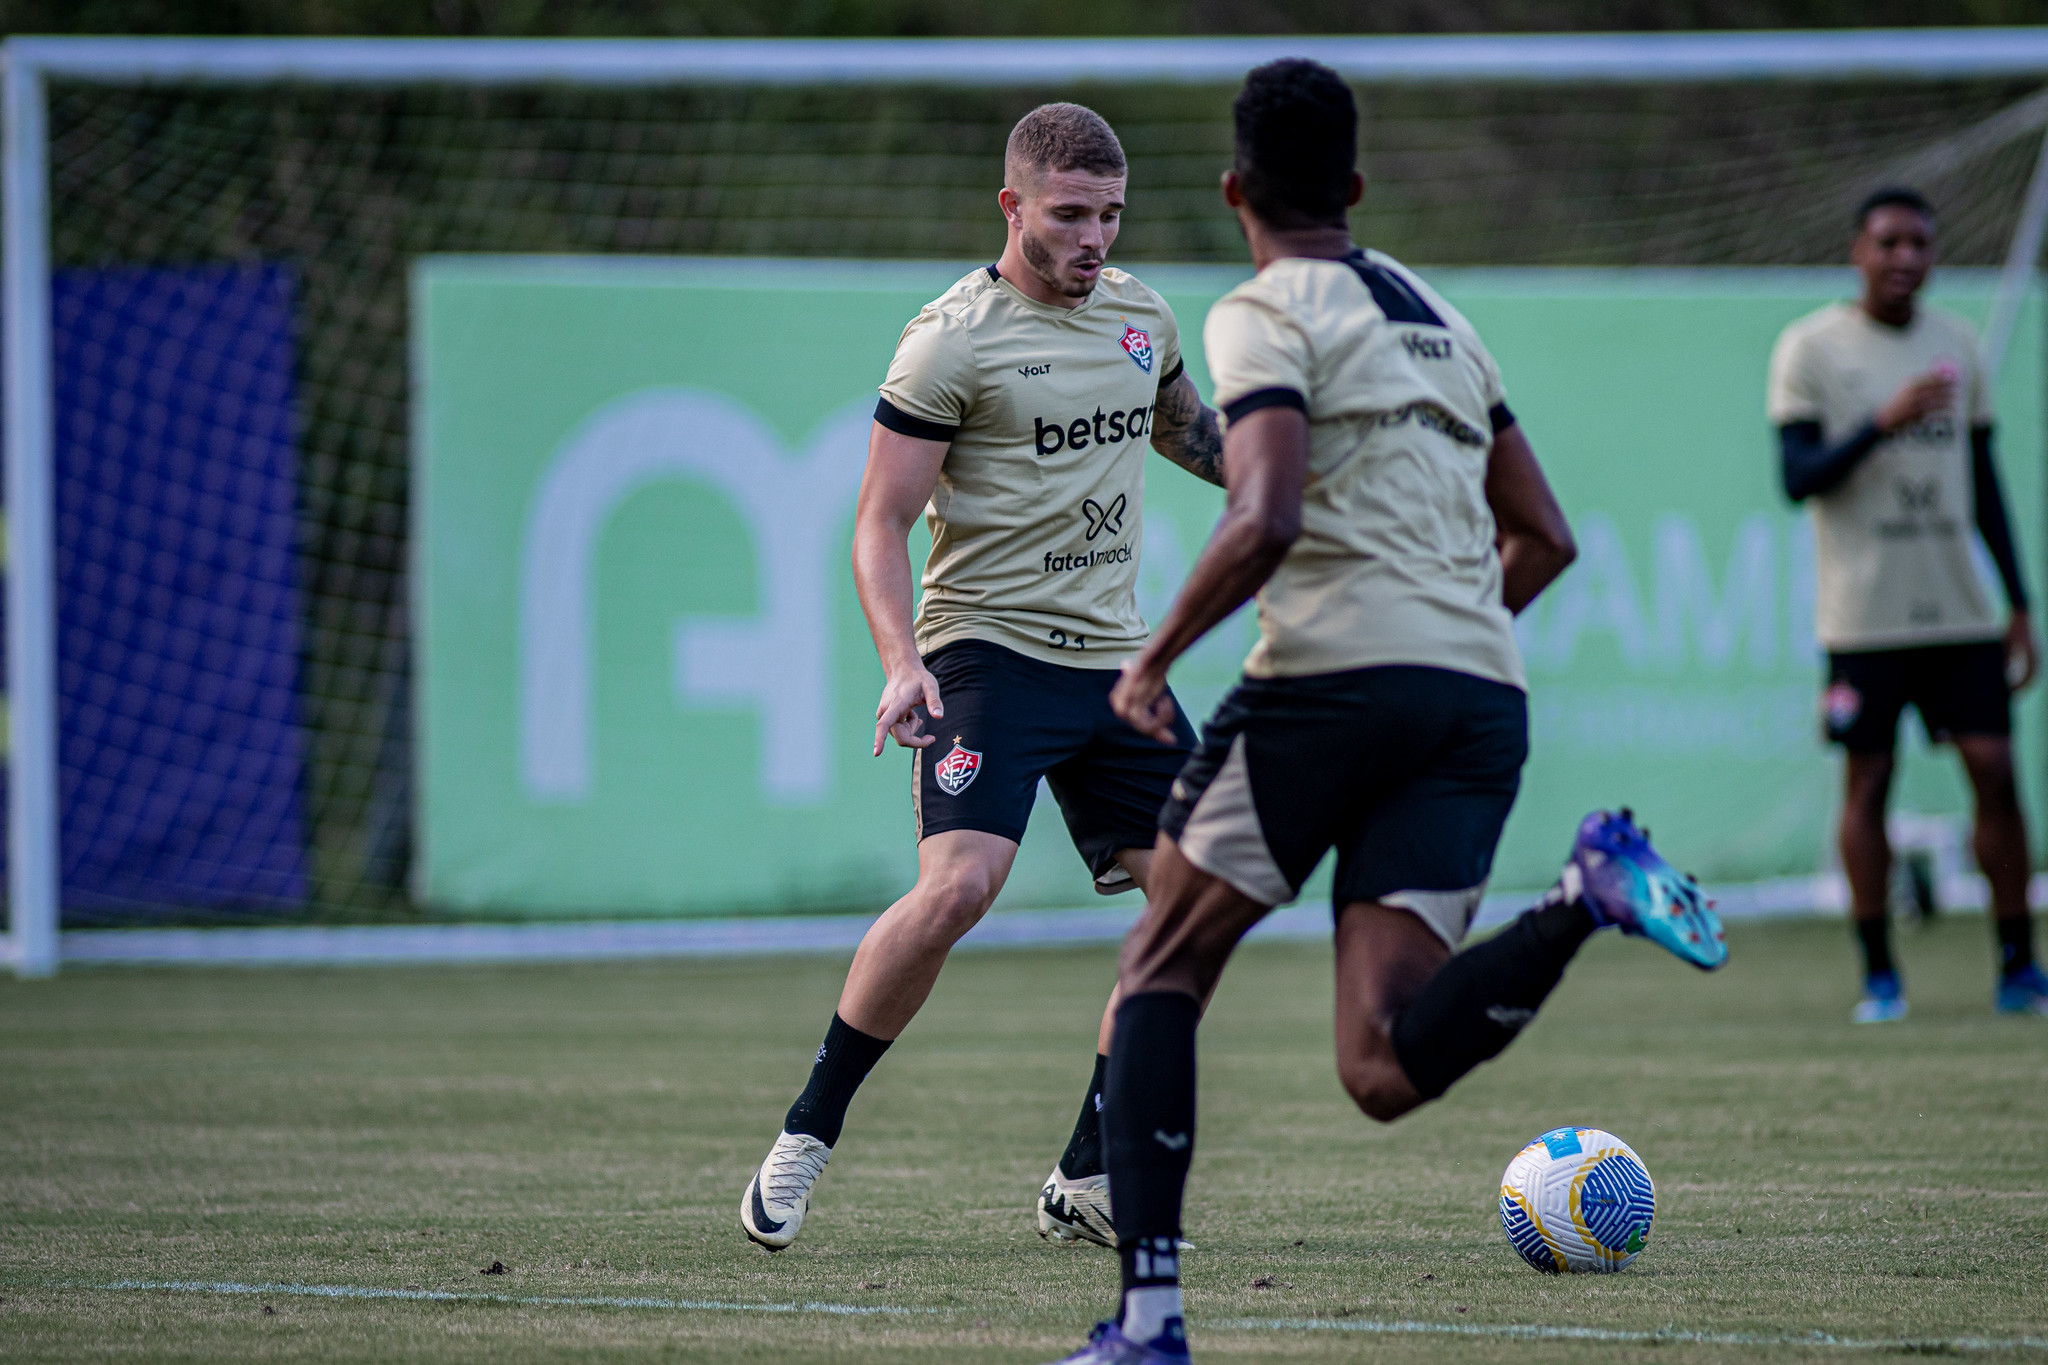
(1035, 520)
(1896, 540)
(1396, 562)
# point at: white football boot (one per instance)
(772, 1210)
(1075, 1210)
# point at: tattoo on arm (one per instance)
(1185, 431)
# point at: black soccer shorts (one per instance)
(1957, 689)
(1010, 720)
(1408, 772)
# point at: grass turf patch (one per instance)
(590, 1128)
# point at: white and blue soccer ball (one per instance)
(1577, 1200)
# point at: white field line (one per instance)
(1516, 1331)
(1519, 1332)
(349, 1291)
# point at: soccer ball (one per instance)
(1577, 1199)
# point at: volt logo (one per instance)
(1424, 347)
(777, 661)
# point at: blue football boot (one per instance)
(1883, 1002)
(1107, 1345)
(1615, 873)
(2024, 992)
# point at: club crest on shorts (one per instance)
(1841, 704)
(957, 769)
(1139, 345)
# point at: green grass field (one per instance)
(591, 1128)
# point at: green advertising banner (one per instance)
(645, 686)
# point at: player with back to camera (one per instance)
(1884, 417)
(1389, 513)
(1015, 417)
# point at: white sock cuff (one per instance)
(1148, 1310)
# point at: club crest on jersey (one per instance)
(1139, 345)
(957, 769)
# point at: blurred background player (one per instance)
(1388, 511)
(1015, 419)
(1884, 417)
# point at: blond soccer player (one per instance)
(1015, 419)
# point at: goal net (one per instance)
(234, 421)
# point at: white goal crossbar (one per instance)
(32, 62)
(1633, 58)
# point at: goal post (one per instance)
(1859, 59)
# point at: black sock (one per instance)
(1148, 1128)
(2015, 944)
(1876, 937)
(844, 1061)
(1083, 1157)
(1479, 1000)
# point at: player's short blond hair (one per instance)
(1060, 137)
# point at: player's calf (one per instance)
(1479, 1001)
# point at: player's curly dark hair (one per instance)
(1892, 196)
(1297, 143)
(1061, 137)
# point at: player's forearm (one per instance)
(1529, 564)
(1246, 548)
(1248, 545)
(882, 578)
(1185, 431)
(1533, 538)
(1268, 461)
(1810, 466)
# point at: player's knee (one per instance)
(1377, 1087)
(955, 900)
(1149, 964)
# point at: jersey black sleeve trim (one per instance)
(1394, 295)
(903, 423)
(1179, 368)
(1501, 418)
(1266, 398)
(1991, 518)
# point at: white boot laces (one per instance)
(792, 1170)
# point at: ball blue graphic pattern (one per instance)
(1525, 1237)
(1617, 1203)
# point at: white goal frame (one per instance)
(32, 946)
